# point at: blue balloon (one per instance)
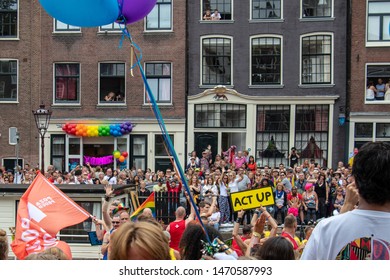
(83, 13)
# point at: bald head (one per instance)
(180, 212)
(148, 212)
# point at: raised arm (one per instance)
(351, 198)
(106, 206)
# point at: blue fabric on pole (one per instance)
(82, 13)
(165, 133)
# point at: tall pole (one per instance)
(43, 154)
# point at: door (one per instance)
(203, 139)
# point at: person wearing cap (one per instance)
(293, 157)
(193, 155)
(160, 187)
(192, 164)
(204, 162)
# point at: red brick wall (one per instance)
(360, 55)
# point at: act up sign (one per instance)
(250, 199)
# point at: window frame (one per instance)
(323, 84)
(209, 85)
(165, 157)
(115, 103)
(78, 93)
(202, 11)
(9, 100)
(268, 19)
(68, 30)
(170, 102)
(385, 79)
(223, 109)
(317, 18)
(16, 37)
(52, 155)
(379, 43)
(159, 29)
(116, 28)
(273, 36)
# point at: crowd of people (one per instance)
(304, 194)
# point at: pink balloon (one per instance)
(135, 10)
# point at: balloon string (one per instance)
(163, 128)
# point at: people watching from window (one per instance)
(216, 15)
(207, 15)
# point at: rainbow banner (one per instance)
(148, 203)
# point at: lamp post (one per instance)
(42, 119)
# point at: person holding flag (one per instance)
(43, 211)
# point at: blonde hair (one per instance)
(3, 245)
(148, 239)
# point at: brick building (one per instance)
(268, 76)
(71, 70)
(370, 61)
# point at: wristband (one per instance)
(107, 198)
(239, 220)
(256, 234)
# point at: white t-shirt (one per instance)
(233, 186)
(222, 190)
(352, 235)
(112, 181)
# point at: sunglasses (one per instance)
(114, 223)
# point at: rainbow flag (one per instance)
(148, 203)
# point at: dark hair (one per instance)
(370, 169)
(246, 229)
(190, 243)
(276, 248)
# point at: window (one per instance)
(378, 22)
(364, 132)
(160, 81)
(112, 27)
(216, 61)
(263, 9)
(273, 127)
(8, 80)
(72, 234)
(8, 19)
(223, 7)
(266, 61)
(139, 147)
(67, 82)
(58, 151)
(162, 159)
(220, 115)
(316, 59)
(160, 18)
(112, 83)
(311, 132)
(316, 8)
(63, 27)
(378, 83)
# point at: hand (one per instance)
(240, 214)
(260, 223)
(109, 190)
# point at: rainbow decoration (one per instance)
(98, 130)
(148, 203)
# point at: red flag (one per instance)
(43, 211)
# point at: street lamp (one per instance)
(42, 119)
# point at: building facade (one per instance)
(91, 83)
(267, 76)
(370, 64)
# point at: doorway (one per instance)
(203, 139)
